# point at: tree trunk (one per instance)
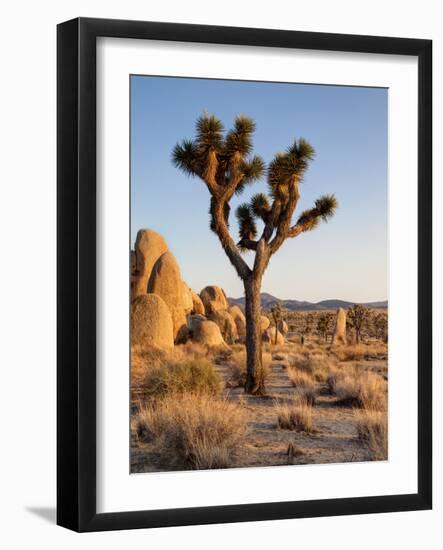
(255, 383)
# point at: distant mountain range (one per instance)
(267, 301)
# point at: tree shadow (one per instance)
(46, 513)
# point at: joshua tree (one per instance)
(276, 316)
(307, 327)
(324, 325)
(225, 164)
(357, 318)
(380, 325)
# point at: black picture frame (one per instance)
(76, 280)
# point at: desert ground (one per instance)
(325, 398)
(321, 388)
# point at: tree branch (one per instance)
(209, 174)
(286, 216)
(247, 244)
(261, 257)
(221, 229)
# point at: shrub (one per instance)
(365, 390)
(192, 431)
(296, 416)
(237, 368)
(372, 429)
(189, 375)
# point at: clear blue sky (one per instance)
(345, 258)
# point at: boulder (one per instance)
(183, 335)
(151, 323)
(187, 298)
(208, 334)
(226, 324)
(271, 334)
(149, 246)
(214, 299)
(239, 319)
(340, 328)
(265, 322)
(197, 305)
(283, 327)
(193, 320)
(166, 282)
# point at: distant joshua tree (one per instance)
(224, 163)
(307, 327)
(380, 326)
(357, 318)
(276, 313)
(324, 325)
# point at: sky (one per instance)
(345, 258)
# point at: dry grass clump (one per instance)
(282, 349)
(296, 359)
(308, 394)
(144, 360)
(355, 352)
(296, 416)
(373, 392)
(193, 350)
(300, 378)
(192, 431)
(237, 368)
(189, 375)
(363, 390)
(319, 366)
(372, 428)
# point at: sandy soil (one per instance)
(333, 440)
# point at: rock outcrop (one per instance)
(226, 324)
(151, 322)
(239, 319)
(283, 327)
(197, 305)
(194, 320)
(166, 282)
(214, 299)
(208, 334)
(187, 298)
(340, 328)
(149, 246)
(265, 322)
(270, 333)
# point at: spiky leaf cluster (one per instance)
(229, 153)
(260, 206)
(224, 160)
(290, 164)
(324, 209)
(286, 170)
(246, 223)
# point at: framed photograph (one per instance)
(244, 274)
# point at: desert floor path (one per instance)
(334, 438)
